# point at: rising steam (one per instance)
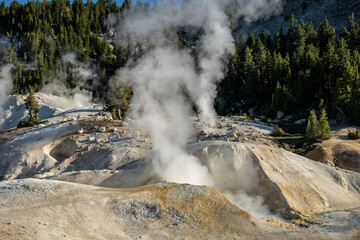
(5, 84)
(165, 82)
(160, 106)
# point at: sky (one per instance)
(119, 2)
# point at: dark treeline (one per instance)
(295, 71)
(40, 32)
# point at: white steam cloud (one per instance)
(76, 97)
(160, 106)
(162, 22)
(4, 44)
(165, 82)
(81, 69)
(67, 98)
(5, 84)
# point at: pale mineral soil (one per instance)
(42, 209)
(339, 151)
(85, 176)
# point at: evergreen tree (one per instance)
(251, 74)
(324, 125)
(259, 53)
(313, 127)
(250, 40)
(32, 106)
(345, 75)
(326, 34)
(297, 39)
(118, 100)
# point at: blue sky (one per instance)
(119, 2)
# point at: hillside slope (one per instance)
(337, 12)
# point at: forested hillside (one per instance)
(294, 70)
(39, 33)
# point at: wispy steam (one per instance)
(81, 69)
(236, 174)
(253, 10)
(76, 97)
(4, 44)
(5, 84)
(67, 98)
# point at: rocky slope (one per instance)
(338, 151)
(40, 209)
(336, 11)
(90, 177)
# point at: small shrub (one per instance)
(353, 135)
(279, 132)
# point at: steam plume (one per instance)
(5, 84)
(165, 82)
(160, 106)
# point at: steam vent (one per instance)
(196, 119)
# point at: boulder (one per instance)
(343, 154)
(347, 156)
(301, 121)
(280, 115)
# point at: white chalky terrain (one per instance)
(85, 176)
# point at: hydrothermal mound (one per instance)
(290, 185)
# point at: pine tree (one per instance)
(329, 72)
(250, 40)
(118, 100)
(324, 125)
(345, 75)
(297, 38)
(251, 76)
(313, 127)
(259, 53)
(32, 106)
(326, 34)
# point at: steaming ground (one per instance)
(281, 191)
(84, 176)
(168, 81)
